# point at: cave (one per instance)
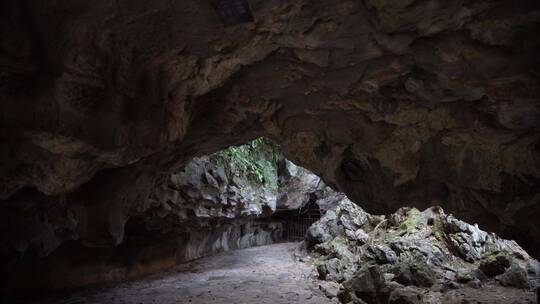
(426, 113)
(249, 220)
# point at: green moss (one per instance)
(341, 240)
(256, 160)
(437, 230)
(464, 275)
(435, 245)
(491, 256)
(411, 222)
(423, 275)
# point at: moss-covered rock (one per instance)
(417, 273)
(494, 264)
(424, 250)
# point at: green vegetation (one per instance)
(411, 222)
(257, 160)
(438, 230)
(493, 256)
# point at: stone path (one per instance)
(267, 274)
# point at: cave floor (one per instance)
(266, 274)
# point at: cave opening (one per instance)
(417, 120)
(247, 224)
(237, 198)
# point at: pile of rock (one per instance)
(416, 257)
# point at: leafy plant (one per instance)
(257, 160)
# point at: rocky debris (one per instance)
(514, 276)
(415, 256)
(416, 273)
(329, 288)
(368, 284)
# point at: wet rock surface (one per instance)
(414, 256)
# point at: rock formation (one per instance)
(396, 103)
(216, 203)
(299, 187)
(415, 257)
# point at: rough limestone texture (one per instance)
(416, 257)
(298, 187)
(395, 103)
(209, 190)
(214, 204)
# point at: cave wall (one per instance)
(215, 203)
(73, 265)
(393, 102)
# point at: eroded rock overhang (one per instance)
(395, 103)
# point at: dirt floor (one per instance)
(267, 274)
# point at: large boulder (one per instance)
(417, 273)
(514, 276)
(368, 284)
(297, 185)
